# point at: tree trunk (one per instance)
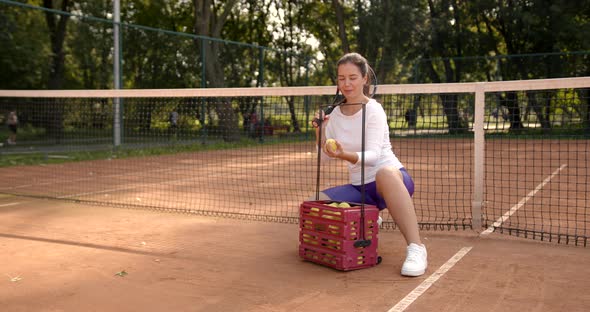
(341, 28)
(57, 33)
(294, 121)
(440, 35)
(514, 116)
(541, 110)
(449, 102)
(210, 25)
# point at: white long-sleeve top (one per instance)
(347, 130)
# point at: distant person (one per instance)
(173, 119)
(252, 129)
(495, 113)
(411, 118)
(12, 123)
(505, 116)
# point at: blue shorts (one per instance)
(352, 193)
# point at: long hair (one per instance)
(363, 66)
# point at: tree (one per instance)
(508, 19)
(57, 34)
(210, 17)
(389, 36)
(449, 37)
(56, 25)
(89, 45)
(342, 33)
(23, 57)
(291, 51)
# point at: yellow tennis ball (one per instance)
(331, 145)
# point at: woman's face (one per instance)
(351, 81)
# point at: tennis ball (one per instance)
(331, 145)
(333, 204)
(344, 205)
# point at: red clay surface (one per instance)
(59, 256)
(272, 180)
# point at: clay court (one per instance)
(60, 256)
(217, 229)
(160, 164)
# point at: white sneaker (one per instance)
(416, 260)
(379, 221)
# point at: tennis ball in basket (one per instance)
(344, 205)
(331, 145)
(333, 204)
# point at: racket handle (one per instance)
(317, 121)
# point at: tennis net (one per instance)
(506, 157)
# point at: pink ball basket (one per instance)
(327, 235)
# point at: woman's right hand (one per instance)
(317, 120)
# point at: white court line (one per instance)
(418, 291)
(9, 204)
(521, 203)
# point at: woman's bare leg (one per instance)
(390, 185)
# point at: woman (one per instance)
(387, 183)
(12, 122)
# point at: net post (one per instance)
(479, 157)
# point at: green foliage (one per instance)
(286, 42)
(291, 43)
(24, 49)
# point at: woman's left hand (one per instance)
(331, 151)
